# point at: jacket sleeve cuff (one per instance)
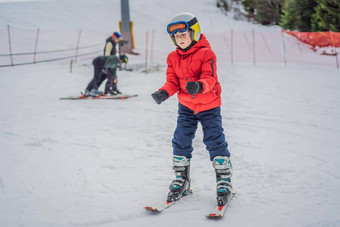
(204, 86)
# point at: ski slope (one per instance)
(99, 162)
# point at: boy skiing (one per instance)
(191, 73)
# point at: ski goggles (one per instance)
(180, 26)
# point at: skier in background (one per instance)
(110, 48)
(105, 67)
(191, 73)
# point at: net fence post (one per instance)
(35, 47)
(335, 53)
(146, 51)
(10, 45)
(254, 49)
(77, 48)
(232, 46)
(284, 49)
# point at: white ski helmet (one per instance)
(181, 23)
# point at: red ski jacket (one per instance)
(196, 64)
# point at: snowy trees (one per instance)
(311, 15)
(326, 16)
(266, 12)
(297, 15)
(301, 15)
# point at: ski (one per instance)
(160, 207)
(219, 211)
(164, 205)
(121, 96)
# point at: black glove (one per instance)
(160, 96)
(193, 87)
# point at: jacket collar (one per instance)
(203, 42)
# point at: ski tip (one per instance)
(153, 210)
(150, 208)
(215, 216)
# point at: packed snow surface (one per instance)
(99, 162)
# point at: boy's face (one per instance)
(183, 40)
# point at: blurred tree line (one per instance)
(300, 15)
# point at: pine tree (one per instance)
(266, 12)
(297, 15)
(305, 9)
(249, 7)
(290, 17)
(222, 4)
(326, 16)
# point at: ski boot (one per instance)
(93, 93)
(222, 166)
(90, 93)
(96, 91)
(111, 92)
(181, 185)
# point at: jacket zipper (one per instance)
(212, 67)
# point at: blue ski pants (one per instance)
(213, 136)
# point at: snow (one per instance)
(99, 162)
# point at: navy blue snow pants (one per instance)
(213, 136)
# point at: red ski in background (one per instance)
(82, 96)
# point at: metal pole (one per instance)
(36, 45)
(126, 26)
(10, 45)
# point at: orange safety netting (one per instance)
(321, 39)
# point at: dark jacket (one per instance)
(110, 47)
